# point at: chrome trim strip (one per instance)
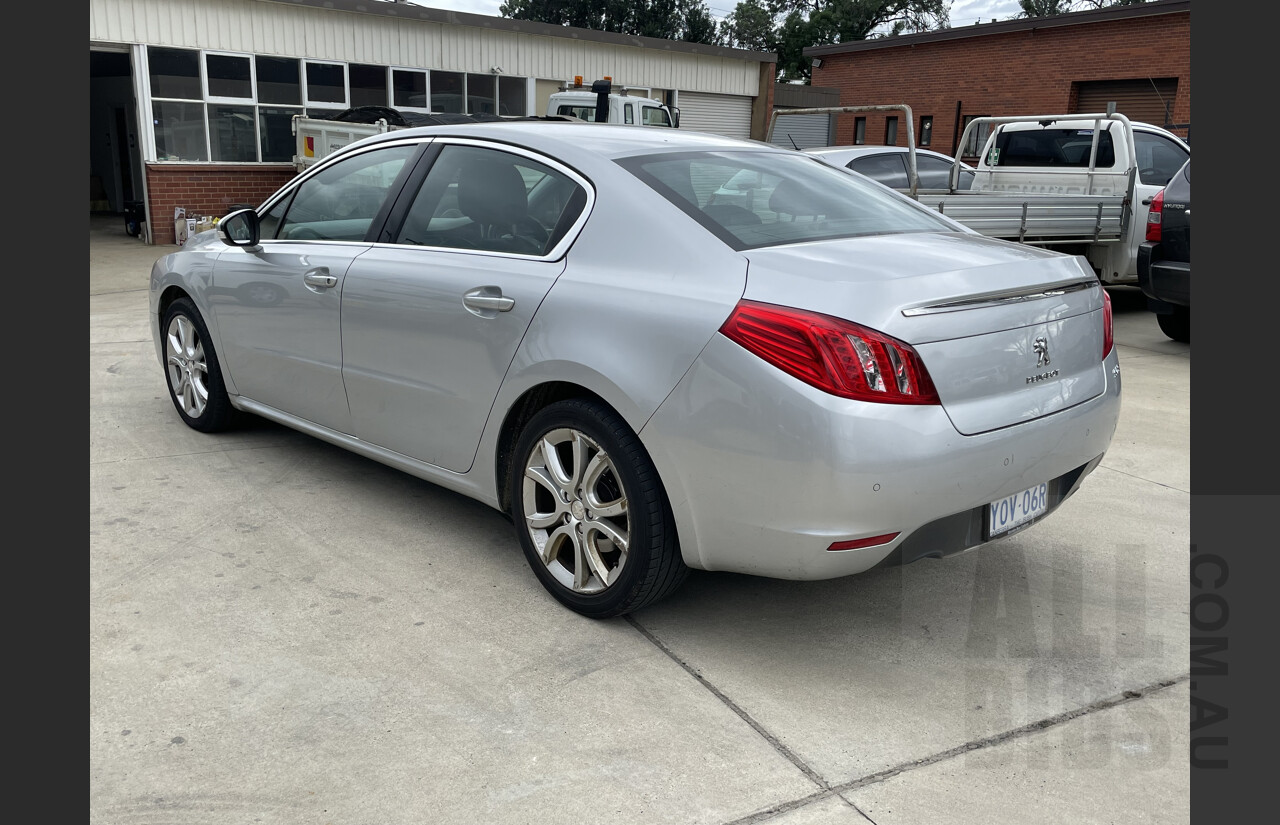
(999, 298)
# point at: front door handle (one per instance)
(319, 278)
(487, 301)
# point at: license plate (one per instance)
(1017, 510)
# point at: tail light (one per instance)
(836, 356)
(1154, 216)
(1108, 327)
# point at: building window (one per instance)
(409, 89)
(275, 128)
(279, 81)
(327, 83)
(926, 130)
(237, 108)
(859, 130)
(230, 76)
(233, 133)
(513, 95)
(891, 130)
(482, 94)
(977, 138)
(446, 92)
(175, 73)
(368, 85)
(179, 129)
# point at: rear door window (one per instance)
(888, 169)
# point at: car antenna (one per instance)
(793, 141)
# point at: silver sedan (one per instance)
(656, 350)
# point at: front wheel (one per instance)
(590, 511)
(192, 371)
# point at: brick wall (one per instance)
(1010, 73)
(206, 189)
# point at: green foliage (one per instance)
(689, 20)
(787, 27)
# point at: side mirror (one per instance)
(240, 228)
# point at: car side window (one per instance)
(269, 223)
(887, 169)
(653, 116)
(935, 173)
(339, 203)
(1159, 158)
(490, 200)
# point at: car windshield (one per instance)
(754, 199)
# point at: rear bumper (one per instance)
(764, 481)
(1163, 281)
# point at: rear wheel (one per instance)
(192, 371)
(1176, 324)
(590, 511)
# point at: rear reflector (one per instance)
(1108, 324)
(856, 544)
(834, 355)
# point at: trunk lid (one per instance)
(1008, 333)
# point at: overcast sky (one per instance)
(963, 12)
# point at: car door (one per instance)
(278, 304)
(431, 321)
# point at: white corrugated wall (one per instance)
(807, 131)
(271, 28)
(728, 115)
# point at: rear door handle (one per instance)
(319, 278)
(486, 301)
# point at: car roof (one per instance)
(847, 153)
(565, 139)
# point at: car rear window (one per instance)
(755, 199)
(1050, 147)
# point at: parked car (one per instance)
(888, 165)
(554, 319)
(1164, 259)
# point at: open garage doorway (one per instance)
(115, 162)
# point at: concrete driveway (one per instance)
(283, 632)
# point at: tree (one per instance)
(787, 27)
(689, 20)
(1045, 8)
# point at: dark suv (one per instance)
(1164, 260)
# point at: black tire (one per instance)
(1176, 324)
(192, 371)
(613, 473)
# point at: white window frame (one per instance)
(308, 103)
(204, 78)
(391, 89)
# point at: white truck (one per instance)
(605, 103)
(1079, 183)
(315, 138)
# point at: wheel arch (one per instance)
(525, 407)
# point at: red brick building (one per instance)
(1138, 57)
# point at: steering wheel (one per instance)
(302, 232)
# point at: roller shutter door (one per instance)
(728, 115)
(1142, 100)
(808, 131)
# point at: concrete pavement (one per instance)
(283, 632)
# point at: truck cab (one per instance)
(603, 103)
(1086, 156)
